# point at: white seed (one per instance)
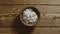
(30, 15)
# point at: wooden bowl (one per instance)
(30, 24)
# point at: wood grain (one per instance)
(29, 2)
(46, 25)
(38, 30)
(43, 9)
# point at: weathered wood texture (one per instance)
(29, 2)
(12, 25)
(42, 30)
(44, 10)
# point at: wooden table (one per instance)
(10, 23)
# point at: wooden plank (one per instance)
(44, 10)
(36, 30)
(6, 33)
(29, 1)
(6, 30)
(46, 30)
(7, 21)
(8, 9)
(11, 21)
(17, 8)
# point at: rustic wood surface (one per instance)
(29, 2)
(10, 23)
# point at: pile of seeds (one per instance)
(29, 16)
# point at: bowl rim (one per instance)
(35, 10)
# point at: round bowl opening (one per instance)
(29, 16)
